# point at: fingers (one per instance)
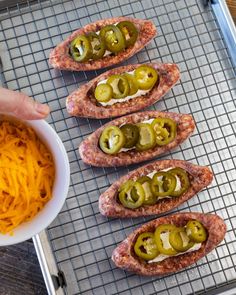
(21, 105)
(28, 109)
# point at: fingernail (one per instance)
(42, 109)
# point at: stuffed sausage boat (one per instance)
(154, 189)
(170, 243)
(135, 138)
(102, 44)
(123, 90)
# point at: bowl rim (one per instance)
(42, 125)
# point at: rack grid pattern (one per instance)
(188, 34)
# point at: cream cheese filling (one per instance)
(166, 245)
(112, 141)
(127, 98)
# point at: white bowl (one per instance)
(43, 219)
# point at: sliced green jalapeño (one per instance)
(165, 129)
(103, 92)
(196, 231)
(131, 134)
(146, 77)
(113, 38)
(150, 198)
(177, 238)
(129, 32)
(81, 49)
(163, 184)
(146, 139)
(161, 231)
(184, 181)
(111, 140)
(133, 86)
(97, 44)
(120, 86)
(145, 246)
(126, 198)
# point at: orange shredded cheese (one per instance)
(26, 174)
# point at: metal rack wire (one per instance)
(82, 240)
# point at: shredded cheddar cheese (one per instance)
(26, 174)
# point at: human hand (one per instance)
(21, 105)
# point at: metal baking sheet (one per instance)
(81, 239)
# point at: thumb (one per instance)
(21, 105)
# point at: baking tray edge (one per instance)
(47, 262)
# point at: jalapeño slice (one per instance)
(127, 185)
(113, 38)
(103, 92)
(179, 240)
(184, 180)
(120, 86)
(98, 45)
(133, 86)
(129, 32)
(146, 77)
(161, 235)
(81, 49)
(146, 139)
(150, 198)
(163, 184)
(165, 129)
(127, 199)
(111, 140)
(131, 134)
(196, 231)
(145, 246)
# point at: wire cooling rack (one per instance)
(82, 240)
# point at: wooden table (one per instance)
(232, 8)
(20, 273)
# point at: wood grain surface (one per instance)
(20, 272)
(232, 8)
